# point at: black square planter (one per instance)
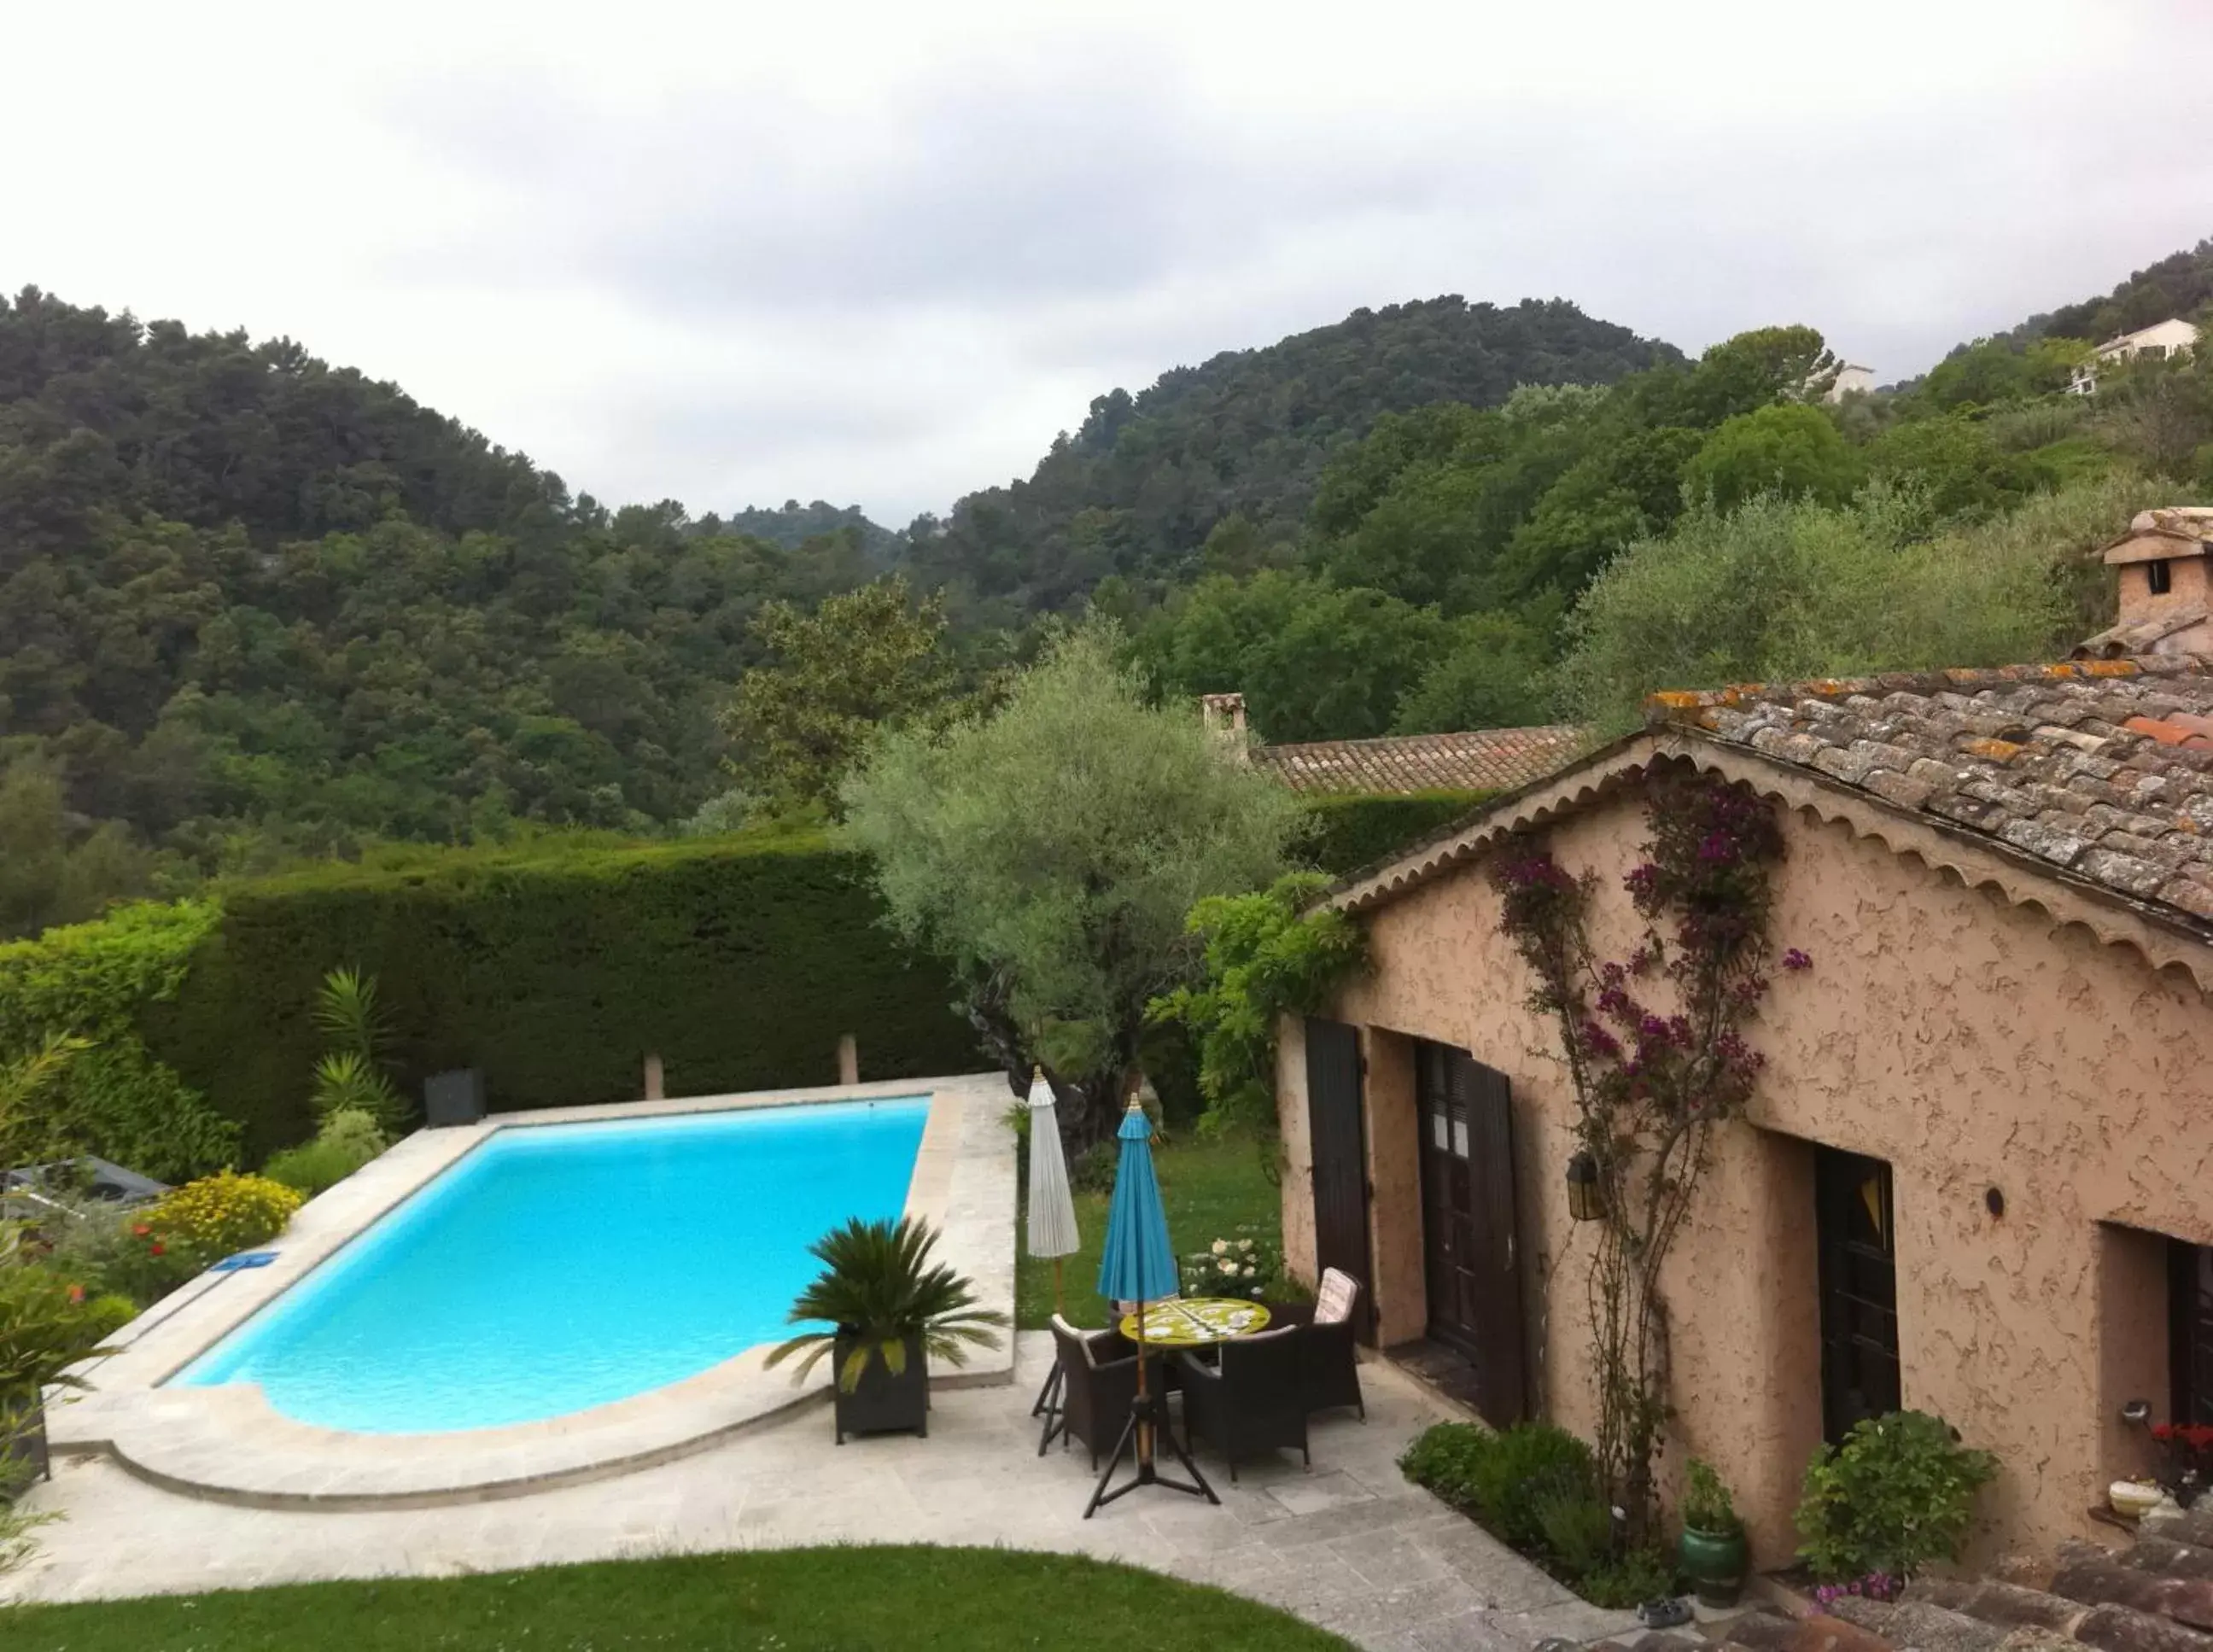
(881, 1402)
(454, 1097)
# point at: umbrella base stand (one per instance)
(1048, 1406)
(1145, 1410)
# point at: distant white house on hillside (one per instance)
(2173, 337)
(1852, 380)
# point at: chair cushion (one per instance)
(1333, 1301)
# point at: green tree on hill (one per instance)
(1790, 450)
(864, 662)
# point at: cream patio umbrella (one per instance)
(1051, 1226)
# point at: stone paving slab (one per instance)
(1379, 1562)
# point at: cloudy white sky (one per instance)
(733, 253)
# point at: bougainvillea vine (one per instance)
(1656, 1052)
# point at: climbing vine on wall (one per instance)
(1656, 1054)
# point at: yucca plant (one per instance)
(880, 1290)
(345, 1082)
(351, 1078)
(347, 1009)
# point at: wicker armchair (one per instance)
(1098, 1378)
(1329, 1356)
(1254, 1400)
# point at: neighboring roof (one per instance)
(2085, 787)
(2120, 340)
(1482, 759)
(2133, 637)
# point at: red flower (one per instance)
(157, 1249)
(141, 1230)
(77, 1293)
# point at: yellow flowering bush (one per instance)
(225, 1212)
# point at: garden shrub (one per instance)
(1628, 1579)
(314, 1167)
(1897, 1494)
(1527, 1462)
(1443, 1458)
(1576, 1526)
(223, 1213)
(99, 980)
(47, 1323)
(1536, 1487)
(118, 1253)
(740, 961)
(347, 1139)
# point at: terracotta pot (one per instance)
(1713, 1562)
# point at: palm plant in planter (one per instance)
(1712, 1555)
(891, 1310)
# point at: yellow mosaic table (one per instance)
(1195, 1321)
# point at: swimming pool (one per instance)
(561, 1266)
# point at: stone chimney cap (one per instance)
(1223, 713)
(2193, 519)
(2168, 531)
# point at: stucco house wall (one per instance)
(1971, 1043)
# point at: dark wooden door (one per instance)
(1468, 1224)
(1338, 1137)
(1856, 1223)
(2191, 1339)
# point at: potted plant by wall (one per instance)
(1898, 1495)
(889, 1311)
(1712, 1551)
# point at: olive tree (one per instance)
(1051, 852)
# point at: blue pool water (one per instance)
(560, 1266)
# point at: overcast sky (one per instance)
(739, 253)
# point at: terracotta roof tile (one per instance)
(2104, 767)
(1482, 759)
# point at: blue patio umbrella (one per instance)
(1139, 1265)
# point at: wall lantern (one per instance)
(1586, 1198)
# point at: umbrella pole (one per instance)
(1049, 1398)
(1144, 1408)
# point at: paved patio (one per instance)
(1348, 1546)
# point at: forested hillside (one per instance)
(252, 606)
(1137, 489)
(2180, 283)
(794, 524)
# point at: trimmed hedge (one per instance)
(554, 966)
(1355, 831)
(740, 961)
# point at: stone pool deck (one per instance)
(1348, 1546)
(226, 1444)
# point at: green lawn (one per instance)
(1212, 1189)
(845, 1600)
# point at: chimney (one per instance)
(1224, 714)
(2164, 565)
